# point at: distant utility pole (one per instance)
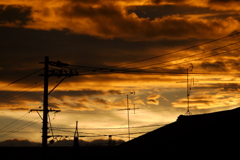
(127, 94)
(110, 140)
(76, 135)
(189, 87)
(61, 71)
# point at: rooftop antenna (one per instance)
(189, 87)
(127, 94)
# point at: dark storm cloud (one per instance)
(192, 2)
(109, 20)
(76, 105)
(17, 14)
(213, 4)
(35, 95)
(233, 87)
(168, 1)
(101, 101)
(107, 105)
(223, 1)
(114, 92)
(78, 10)
(16, 100)
(215, 66)
(155, 11)
(30, 46)
(80, 93)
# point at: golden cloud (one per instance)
(152, 99)
(208, 100)
(107, 105)
(213, 4)
(112, 20)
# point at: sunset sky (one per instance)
(117, 47)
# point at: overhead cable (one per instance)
(194, 46)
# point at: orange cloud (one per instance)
(213, 4)
(152, 99)
(112, 20)
(213, 96)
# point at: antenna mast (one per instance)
(127, 94)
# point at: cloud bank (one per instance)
(109, 19)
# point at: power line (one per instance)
(13, 95)
(13, 122)
(112, 128)
(25, 90)
(204, 57)
(190, 55)
(133, 70)
(141, 71)
(23, 77)
(27, 124)
(194, 46)
(185, 61)
(21, 92)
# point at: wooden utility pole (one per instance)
(59, 73)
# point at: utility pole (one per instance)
(45, 104)
(47, 74)
(110, 140)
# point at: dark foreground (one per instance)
(68, 153)
(209, 136)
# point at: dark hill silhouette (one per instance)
(212, 133)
